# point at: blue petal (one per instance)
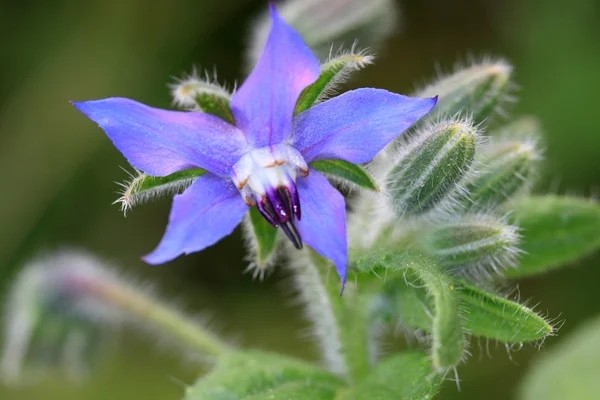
(160, 142)
(356, 125)
(323, 223)
(263, 107)
(206, 212)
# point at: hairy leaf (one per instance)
(484, 314)
(556, 230)
(444, 318)
(406, 376)
(259, 375)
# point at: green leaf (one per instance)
(491, 316)
(259, 375)
(264, 235)
(333, 72)
(431, 171)
(484, 314)
(143, 188)
(406, 376)
(555, 230)
(347, 171)
(569, 370)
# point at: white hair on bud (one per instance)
(323, 23)
(185, 90)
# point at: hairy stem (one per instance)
(340, 322)
(163, 318)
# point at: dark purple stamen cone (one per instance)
(281, 206)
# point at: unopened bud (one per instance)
(51, 321)
(429, 174)
(510, 168)
(474, 243)
(477, 91)
(323, 24)
(206, 95)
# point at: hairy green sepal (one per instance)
(346, 171)
(265, 236)
(143, 188)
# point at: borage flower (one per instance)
(264, 160)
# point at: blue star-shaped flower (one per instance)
(264, 159)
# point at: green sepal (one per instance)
(556, 230)
(332, 72)
(484, 314)
(346, 171)
(265, 237)
(406, 376)
(144, 187)
(260, 375)
(215, 104)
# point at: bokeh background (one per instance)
(58, 169)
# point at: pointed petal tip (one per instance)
(149, 259)
(343, 279)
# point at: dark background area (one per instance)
(58, 169)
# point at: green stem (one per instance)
(165, 319)
(340, 322)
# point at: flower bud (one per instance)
(324, 23)
(50, 319)
(206, 95)
(474, 243)
(510, 170)
(477, 91)
(428, 175)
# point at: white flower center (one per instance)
(267, 168)
(266, 177)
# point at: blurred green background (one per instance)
(58, 169)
